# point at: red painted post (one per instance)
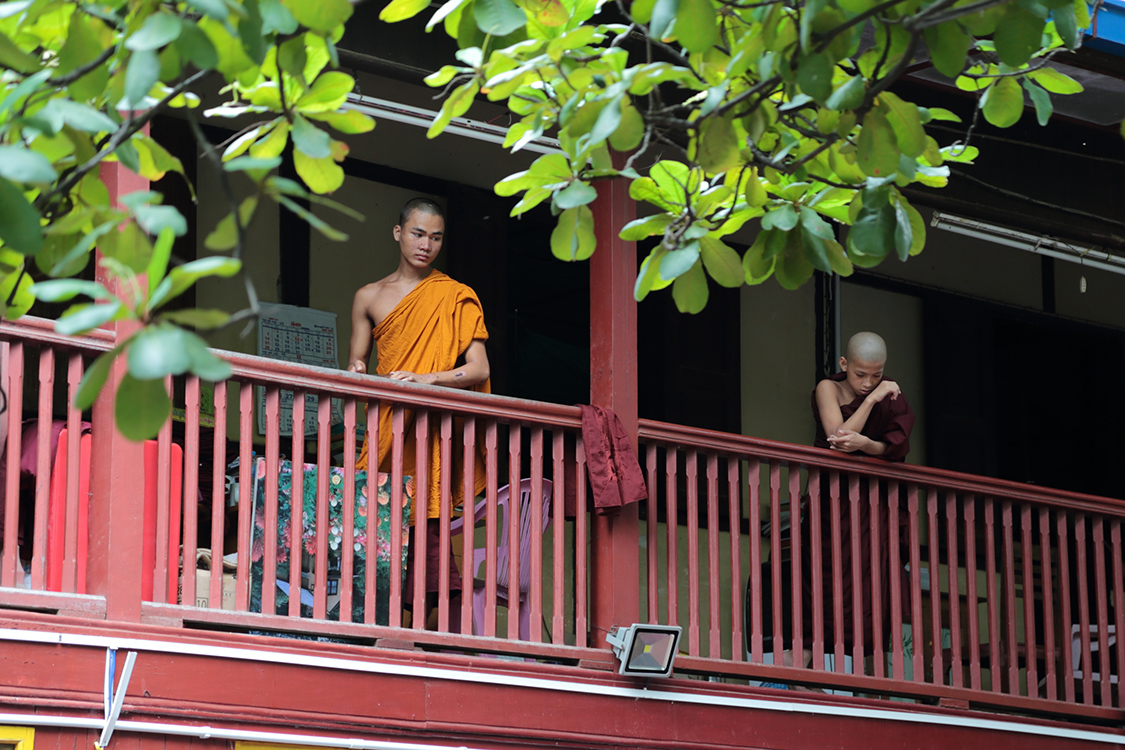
(615, 582)
(116, 517)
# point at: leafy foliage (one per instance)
(741, 110)
(79, 83)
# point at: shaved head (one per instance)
(867, 347)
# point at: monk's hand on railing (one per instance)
(358, 366)
(848, 441)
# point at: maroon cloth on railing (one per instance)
(615, 474)
(890, 422)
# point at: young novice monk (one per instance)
(426, 328)
(857, 410)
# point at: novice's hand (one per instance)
(358, 366)
(883, 390)
(848, 441)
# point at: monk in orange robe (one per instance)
(426, 328)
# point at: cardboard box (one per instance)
(203, 581)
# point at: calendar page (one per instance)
(297, 334)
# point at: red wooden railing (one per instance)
(1005, 594)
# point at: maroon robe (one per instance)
(890, 422)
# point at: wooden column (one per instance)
(615, 582)
(116, 469)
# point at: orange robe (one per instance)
(425, 333)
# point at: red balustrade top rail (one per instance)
(772, 450)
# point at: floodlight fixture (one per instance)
(1047, 246)
(645, 650)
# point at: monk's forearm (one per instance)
(465, 376)
(874, 448)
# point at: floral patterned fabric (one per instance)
(308, 542)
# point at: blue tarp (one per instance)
(1109, 27)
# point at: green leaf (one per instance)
(792, 268)
(348, 123)
(158, 350)
(573, 237)
(721, 262)
(690, 290)
(718, 148)
(310, 140)
(838, 260)
(225, 235)
(576, 194)
(648, 276)
(877, 148)
(83, 117)
(664, 13)
(15, 58)
(158, 30)
(250, 163)
(756, 266)
(276, 18)
(1054, 81)
(906, 122)
(873, 232)
(161, 254)
(197, 318)
(181, 278)
(1003, 103)
(949, 47)
(94, 380)
(82, 318)
(783, 218)
(848, 96)
(24, 165)
(400, 10)
(141, 407)
(64, 290)
(638, 229)
(140, 76)
(322, 15)
(129, 246)
(1018, 35)
(676, 263)
(815, 225)
(314, 221)
(696, 25)
(917, 227)
(631, 131)
(321, 175)
(197, 47)
(609, 117)
(1041, 99)
(83, 45)
(498, 17)
(814, 76)
(19, 221)
(329, 92)
(904, 232)
(154, 219)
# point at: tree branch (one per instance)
(74, 75)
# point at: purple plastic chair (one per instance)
(502, 583)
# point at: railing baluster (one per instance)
(468, 524)
(43, 467)
(218, 504)
(854, 529)
(164, 519)
(734, 496)
(953, 567)
(777, 638)
(419, 547)
(1031, 643)
(8, 557)
(917, 627)
(394, 569)
(398, 439)
(816, 573)
(995, 675)
(1083, 608)
(245, 500)
(895, 572)
(269, 525)
(672, 523)
(445, 478)
(971, 597)
(297, 505)
(836, 522)
(1047, 571)
(691, 473)
(1118, 607)
(714, 641)
(535, 585)
(580, 557)
(1100, 587)
(558, 546)
(753, 484)
(491, 532)
(347, 546)
(650, 535)
(796, 608)
(323, 525)
(1010, 598)
(878, 554)
(938, 662)
(190, 497)
(1063, 528)
(77, 508)
(515, 513)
